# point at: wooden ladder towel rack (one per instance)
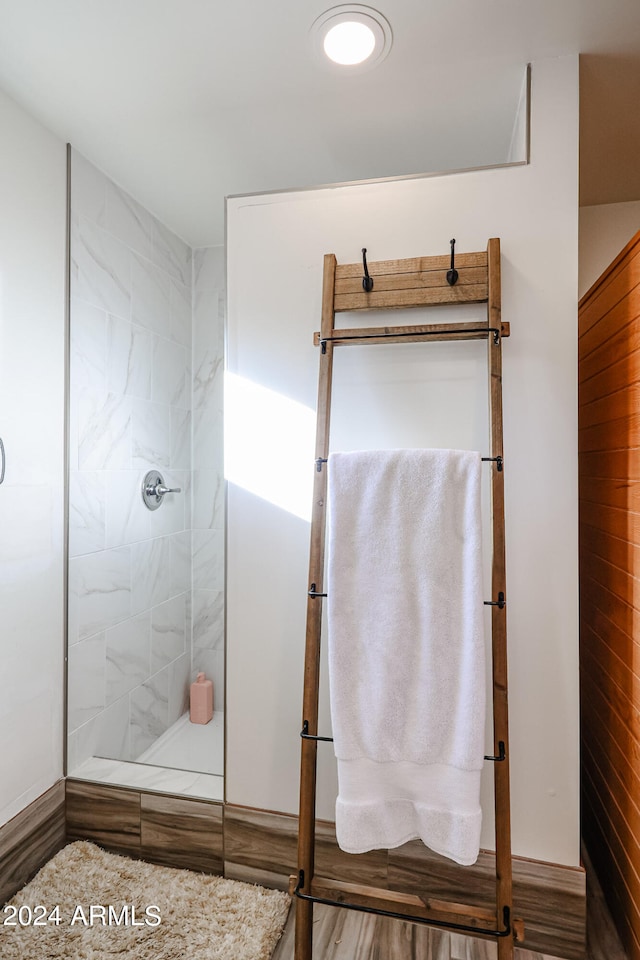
(416, 282)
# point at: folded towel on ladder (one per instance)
(406, 648)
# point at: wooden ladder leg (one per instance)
(308, 753)
(504, 893)
(306, 845)
(304, 930)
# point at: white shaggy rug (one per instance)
(86, 904)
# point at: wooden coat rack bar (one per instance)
(399, 284)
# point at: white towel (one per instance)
(406, 648)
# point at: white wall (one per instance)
(604, 230)
(398, 397)
(32, 338)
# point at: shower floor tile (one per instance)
(147, 777)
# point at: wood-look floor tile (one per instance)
(237, 871)
(413, 868)
(465, 948)
(31, 838)
(552, 899)
(255, 839)
(332, 862)
(397, 940)
(181, 833)
(603, 942)
(349, 935)
(107, 815)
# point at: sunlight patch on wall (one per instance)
(269, 445)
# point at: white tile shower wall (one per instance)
(208, 485)
(130, 569)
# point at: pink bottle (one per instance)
(201, 700)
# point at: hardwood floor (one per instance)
(603, 942)
(348, 935)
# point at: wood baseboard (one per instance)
(261, 847)
(31, 838)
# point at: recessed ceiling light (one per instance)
(349, 42)
(352, 35)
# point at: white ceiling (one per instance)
(183, 102)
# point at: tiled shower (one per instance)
(146, 588)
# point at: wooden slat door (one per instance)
(609, 427)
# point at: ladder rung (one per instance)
(497, 460)
(428, 910)
(413, 280)
(305, 735)
(381, 268)
(414, 333)
(417, 296)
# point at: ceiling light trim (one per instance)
(358, 12)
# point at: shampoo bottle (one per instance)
(201, 700)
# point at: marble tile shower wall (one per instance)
(208, 481)
(130, 569)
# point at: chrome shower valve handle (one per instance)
(160, 490)
(154, 489)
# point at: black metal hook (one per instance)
(500, 603)
(452, 274)
(501, 755)
(367, 281)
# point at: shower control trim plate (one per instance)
(154, 489)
